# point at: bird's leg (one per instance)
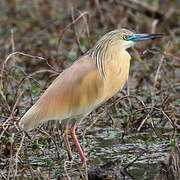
(65, 137)
(73, 135)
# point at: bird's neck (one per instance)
(117, 60)
(106, 55)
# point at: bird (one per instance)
(88, 83)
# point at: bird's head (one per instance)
(124, 38)
(117, 40)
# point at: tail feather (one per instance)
(31, 118)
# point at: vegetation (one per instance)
(40, 38)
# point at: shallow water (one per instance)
(107, 144)
(103, 143)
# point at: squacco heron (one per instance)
(86, 84)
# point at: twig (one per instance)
(12, 42)
(76, 34)
(141, 7)
(4, 129)
(134, 160)
(74, 28)
(65, 169)
(67, 27)
(11, 156)
(8, 57)
(153, 94)
(142, 123)
(17, 153)
(169, 119)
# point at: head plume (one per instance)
(98, 52)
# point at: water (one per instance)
(109, 143)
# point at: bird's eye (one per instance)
(126, 37)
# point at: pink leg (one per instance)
(67, 143)
(73, 135)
